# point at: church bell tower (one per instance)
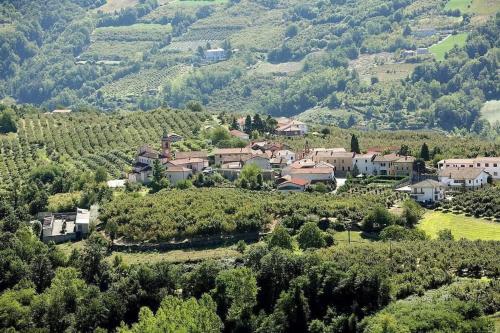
(165, 145)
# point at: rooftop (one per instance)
(428, 183)
(461, 173)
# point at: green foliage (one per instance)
(355, 144)
(177, 315)
(482, 203)
(445, 235)
(398, 233)
(378, 219)
(280, 238)
(7, 122)
(310, 236)
(251, 177)
(412, 213)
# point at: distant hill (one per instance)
(360, 62)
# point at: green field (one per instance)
(461, 226)
(439, 50)
(458, 4)
(491, 111)
(480, 7)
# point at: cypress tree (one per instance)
(355, 144)
(424, 152)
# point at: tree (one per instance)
(310, 236)
(101, 175)
(177, 315)
(250, 176)
(445, 235)
(412, 213)
(325, 131)
(355, 170)
(234, 124)
(92, 264)
(378, 218)
(355, 144)
(291, 31)
(424, 152)
(247, 128)
(258, 124)
(404, 150)
(280, 238)
(7, 122)
(236, 295)
(159, 181)
(219, 134)
(112, 229)
(194, 106)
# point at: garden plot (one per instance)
(382, 66)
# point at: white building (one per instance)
(364, 163)
(286, 154)
(427, 191)
(292, 128)
(464, 178)
(215, 54)
(490, 164)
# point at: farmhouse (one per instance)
(227, 155)
(464, 178)
(490, 164)
(215, 54)
(194, 164)
(291, 128)
(427, 191)
(393, 165)
(63, 227)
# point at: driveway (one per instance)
(340, 182)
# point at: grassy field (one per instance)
(462, 5)
(491, 111)
(461, 226)
(480, 7)
(176, 256)
(439, 50)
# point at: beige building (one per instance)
(341, 160)
(227, 155)
(490, 164)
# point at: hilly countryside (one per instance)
(366, 64)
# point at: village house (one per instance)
(291, 128)
(404, 166)
(239, 134)
(191, 154)
(63, 227)
(341, 160)
(464, 178)
(393, 165)
(287, 155)
(490, 164)
(194, 164)
(427, 191)
(364, 163)
(176, 173)
(227, 155)
(215, 54)
(293, 185)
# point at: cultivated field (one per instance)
(461, 226)
(439, 50)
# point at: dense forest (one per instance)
(300, 57)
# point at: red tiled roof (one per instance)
(311, 170)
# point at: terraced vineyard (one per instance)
(145, 81)
(86, 140)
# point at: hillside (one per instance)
(341, 61)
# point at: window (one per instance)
(495, 165)
(486, 164)
(478, 164)
(495, 173)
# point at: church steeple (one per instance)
(165, 144)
